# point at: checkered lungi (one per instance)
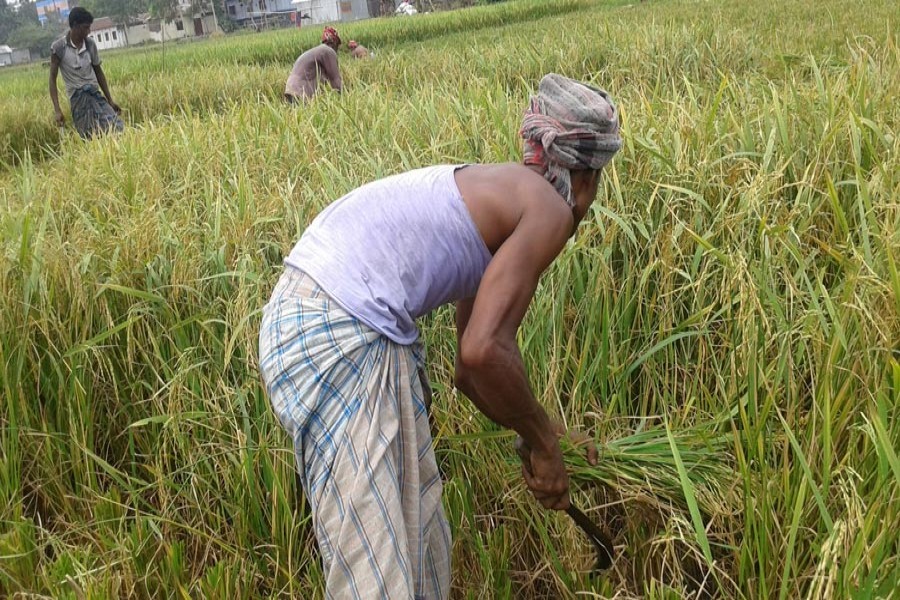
(92, 114)
(354, 404)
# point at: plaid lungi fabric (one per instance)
(92, 114)
(355, 407)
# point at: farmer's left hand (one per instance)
(115, 107)
(580, 440)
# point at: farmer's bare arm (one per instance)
(54, 93)
(463, 313)
(101, 79)
(490, 370)
(462, 376)
(332, 72)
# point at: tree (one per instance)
(11, 19)
(27, 13)
(8, 21)
(22, 29)
(227, 24)
(34, 37)
(165, 9)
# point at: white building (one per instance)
(148, 29)
(319, 11)
(263, 12)
(14, 56)
(108, 34)
(145, 29)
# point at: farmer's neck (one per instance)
(584, 190)
(77, 36)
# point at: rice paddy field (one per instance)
(726, 323)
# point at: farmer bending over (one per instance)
(75, 55)
(340, 353)
(357, 50)
(315, 63)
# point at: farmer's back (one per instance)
(320, 61)
(395, 249)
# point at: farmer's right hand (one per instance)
(60, 118)
(545, 474)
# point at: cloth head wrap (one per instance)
(330, 35)
(569, 126)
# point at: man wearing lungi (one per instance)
(340, 353)
(75, 55)
(316, 63)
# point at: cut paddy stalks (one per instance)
(645, 463)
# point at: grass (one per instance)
(725, 322)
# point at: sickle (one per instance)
(601, 541)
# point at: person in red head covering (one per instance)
(316, 63)
(357, 50)
(331, 38)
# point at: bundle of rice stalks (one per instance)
(679, 468)
(667, 504)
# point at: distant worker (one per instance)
(316, 63)
(357, 50)
(75, 55)
(405, 8)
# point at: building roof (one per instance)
(103, 23)
(4, 49)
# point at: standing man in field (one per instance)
(75, 55)
(340, 353)
(316, 63)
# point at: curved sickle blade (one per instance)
(600, 540)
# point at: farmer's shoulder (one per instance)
(323, 50)
(313, 54)
(58, 45)
(514, 184)
(506, 197)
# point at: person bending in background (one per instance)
(316, 63)
(357, 50)
(75, 55)
(340, 355)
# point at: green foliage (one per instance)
(27, 12)
(25, 18)
(34, 37)
(164, 9)
(120, 11)
(8, 21)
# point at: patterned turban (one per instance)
(352, 44)
(569, 126)
(330, 35)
